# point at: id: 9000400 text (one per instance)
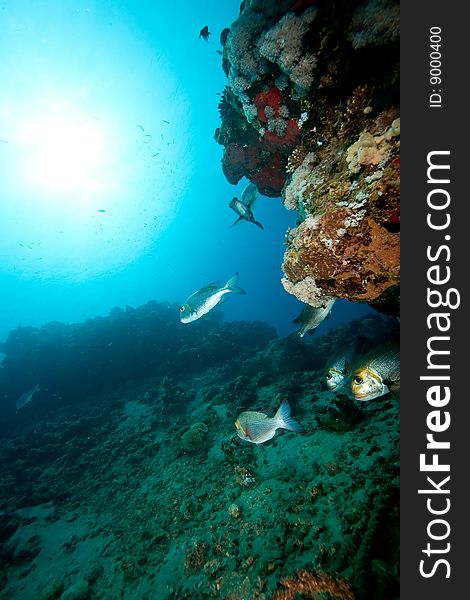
(435, 72)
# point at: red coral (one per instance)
(238, 160)
(272, 98)
(392, 216)
(262, 160)
(271, 177)
(289, 140)
(233, 163)
(252, 157)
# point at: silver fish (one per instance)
(310, 317)
(243, 206)
(205, 299)
(338, 368)
(26, 398)
(258, 428)
(377, 373)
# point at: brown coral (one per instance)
(296, 159)
(310, 585)
(348, 245)
(355, 267)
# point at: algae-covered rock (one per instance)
(80, 590)
(194, 440)
(52, 590)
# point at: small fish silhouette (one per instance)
(204, 33)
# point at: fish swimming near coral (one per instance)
(377, 374)
(258, 428)
(243, 206)
(205, 299)
(339, 367)
(27, 397)
(310, 317)
(205, 33)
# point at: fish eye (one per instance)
(358, 379)
(329, 375)
(181, 308)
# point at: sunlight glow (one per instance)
(95, 151)
(64, 154)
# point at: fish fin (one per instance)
(298, 319)
(232, 285)
(237, 221)
(249, 194)
(259, 224)
(292, 424)
(215, 285)
(283, 411)
(284, 419)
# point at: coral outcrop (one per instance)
(311, 585)
(310, 113)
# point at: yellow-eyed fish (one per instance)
(243, 206)
(311, 316)
(205, 299)
(377, 373)
(338, 368)
(258, 428)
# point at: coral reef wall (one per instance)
(311, 113)
(72, 361)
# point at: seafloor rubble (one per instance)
(311, 113)
(143, 487)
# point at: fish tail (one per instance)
(285, 421)
(232, 285)
(259, 224)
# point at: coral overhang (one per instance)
(313, 117)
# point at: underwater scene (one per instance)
(200, 332)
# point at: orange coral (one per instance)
(310, 585)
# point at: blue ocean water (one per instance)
(112, 187)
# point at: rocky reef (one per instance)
(144, 485)
(72, 361)
(311, 113)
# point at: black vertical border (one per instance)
(425, 129)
